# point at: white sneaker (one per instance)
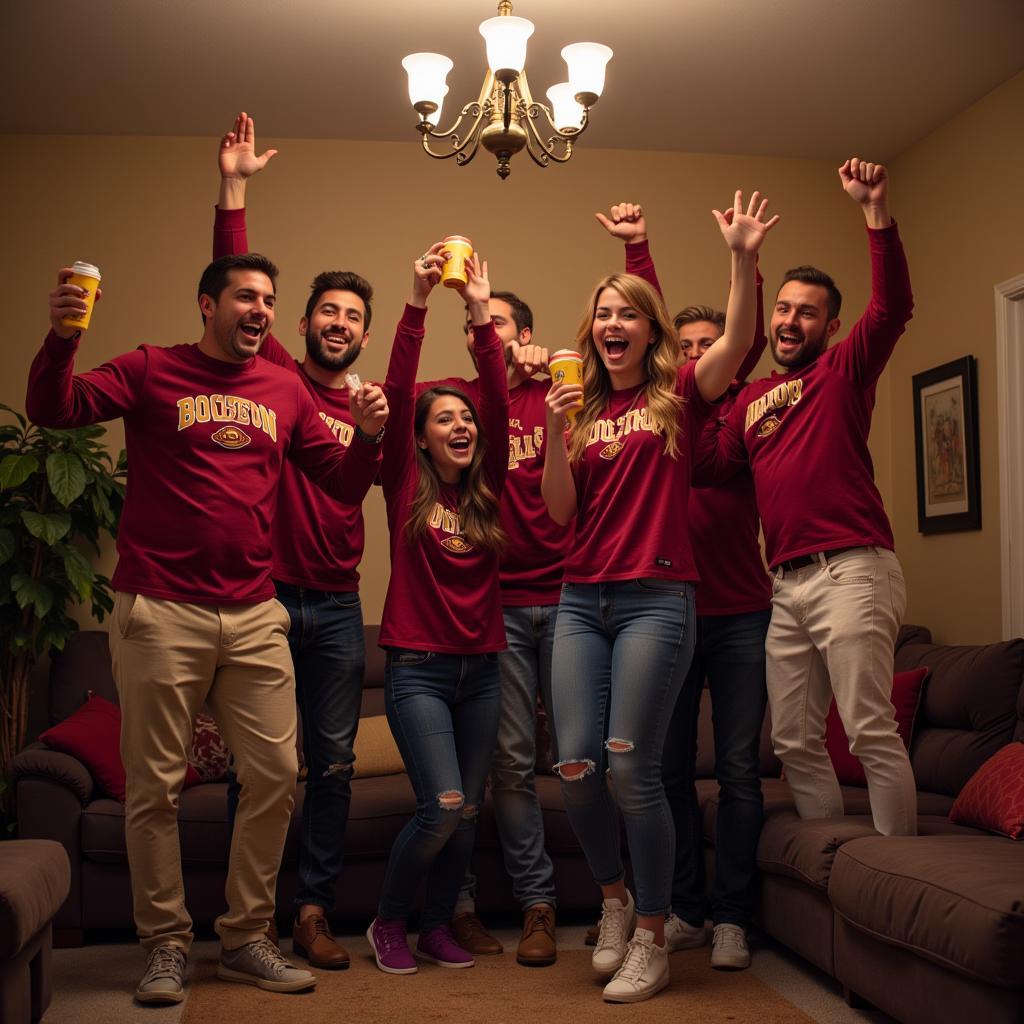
(643, 973)
(680, 935)
(729, 950)
(617, 923)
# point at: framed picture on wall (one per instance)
(946, 439)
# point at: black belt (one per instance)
(802, 561)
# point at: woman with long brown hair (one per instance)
(444, 468)
(624, 637)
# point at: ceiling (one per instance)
(798, 78)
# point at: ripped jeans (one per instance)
(443, 710)
(622, 652)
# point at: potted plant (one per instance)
(60, 491)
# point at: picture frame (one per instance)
(946, 448)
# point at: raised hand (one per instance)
(67, 300)
(477, 290)
(625, 221)
(426, 272)
(237, 156)
(369, 408)
(744, 232)
(865, 182)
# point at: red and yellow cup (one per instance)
(87, 277)
(459, 250)
(566, 367)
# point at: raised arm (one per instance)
(865, 352)
(557, 485)
(627, 222)
(56, 397)
(743, 233)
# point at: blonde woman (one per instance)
(625, 632)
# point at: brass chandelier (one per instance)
(505, 118)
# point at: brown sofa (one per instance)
(58, 799)
(927, 928)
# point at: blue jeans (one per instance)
(622, 653)
(443, 710)
(525, 670)
(730, 652)
(326, 641)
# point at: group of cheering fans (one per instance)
(605, 558)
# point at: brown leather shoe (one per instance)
(537, 946)
(312, 939)
(473, 937)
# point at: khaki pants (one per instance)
(832, 632)
(168, 659)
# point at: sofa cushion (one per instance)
(35, 878)
(969, 709)
(805, 850)
(956, 900)
(376, 752)
(993, 798)
(906, 693)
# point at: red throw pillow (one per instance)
(906, 693)
(93, 735)
(210, 757)
(993, 798)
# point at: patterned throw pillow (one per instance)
(210, 756)
(993, 798)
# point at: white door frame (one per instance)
(1009, 297)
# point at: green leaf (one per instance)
(49, 528)
(78, 570)
(35, 592)
(8, 545)
(66, 475)
(21, 419)
(16, 469)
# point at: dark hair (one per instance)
(215, 276)
(812, 275)
(342, 281)
(521, 312)
(699, 314)
(479, 514)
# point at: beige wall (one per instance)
(962, 215)
(144, 211)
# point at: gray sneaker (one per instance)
(260, 963)
(164, 979)
(729, 949)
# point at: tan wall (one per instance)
(144, 215)
(961, 212)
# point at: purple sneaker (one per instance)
(439, 947)
(390, 948)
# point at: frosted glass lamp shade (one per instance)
(506, 42)
(427, 74)
(586, 62)
(567, 111)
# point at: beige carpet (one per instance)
(496, 991)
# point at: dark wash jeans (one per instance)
(730, 652)
(622, 654)
(326, 641)
(443, 710)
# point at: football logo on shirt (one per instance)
(769, 426)
(447, 521)
(458, 545)
(231, 437)
(787, 393)
(609, 451)
(227, 409)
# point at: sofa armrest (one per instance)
(38, 761)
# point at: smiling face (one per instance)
(240, 317)
(335, 331)
(800, 326)
(449, 436)
(505, 327)
(696, 338)
(621, 336)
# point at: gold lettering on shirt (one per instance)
(524, 446)
(343, 431)
(787, 393)
(610, 431)
(226, 409)
(447, 521)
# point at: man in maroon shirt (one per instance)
(318, 543)
(207, 429)
(838, 589)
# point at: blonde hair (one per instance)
(661, 365)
